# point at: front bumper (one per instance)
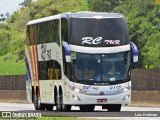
(83, 99)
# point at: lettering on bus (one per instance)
(85, 88)
(45, 53)
(98, 40)
(90, 40)
(115, 87)
(49, 54)
(112, 42)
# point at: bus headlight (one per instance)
(77, 90)
(126, 89)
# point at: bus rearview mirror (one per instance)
(134, 51)
(67, 52)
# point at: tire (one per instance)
(87, 108)
(114, 107)
(35, 101)
(63, 106)
(68, 108)
(49, 107)
(37, 104)
(58, 103)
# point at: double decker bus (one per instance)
(79, 59)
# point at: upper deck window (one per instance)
(94, 32)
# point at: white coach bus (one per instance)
(79, 59)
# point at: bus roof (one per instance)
(98, 15)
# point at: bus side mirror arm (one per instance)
(135, 52)
(67, 52)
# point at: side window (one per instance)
(64, 29)
(56, 31)
(32, 34)
(42, 70)
(57, 69)
(49, 70)
(47, 29)
(64, 37)
(41, 33)
(28, 40)
(49, 32)
(35, 34)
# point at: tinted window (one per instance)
(64, 29)
(101, 68)
(45, 32)
(49, 70)
(98, 32)
(28, 40)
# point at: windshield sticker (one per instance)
(112, 79)
(73, 55)
(98, 40)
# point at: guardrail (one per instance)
(12, 82)
(146, 79)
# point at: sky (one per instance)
(9, 6)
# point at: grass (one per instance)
(10, 65)
(68, 118)
(63, 118)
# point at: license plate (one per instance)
(101, 100)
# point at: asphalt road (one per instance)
(142, 113)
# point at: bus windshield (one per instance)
(109, 68)
(83, 32)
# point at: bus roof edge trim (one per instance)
(100, 50)
(44, 19)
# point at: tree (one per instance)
(103, 5)
(7, 14)
(25, 3)
(1, 15)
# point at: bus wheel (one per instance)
(114, 107)
(68, 107)
(63, 106)
(87, 108)
(35, 101)
(49, 107)
(37, 104)
(58, 105)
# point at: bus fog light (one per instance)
(76, 98)
(126, 97)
